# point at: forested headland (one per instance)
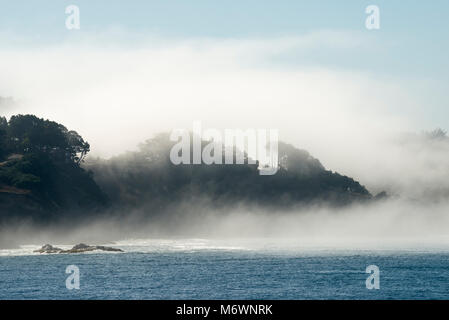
(44, 177)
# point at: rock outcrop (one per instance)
(48, 248)
(79, 248)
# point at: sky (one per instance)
(413, 34)
(412, 41)
(308, 68)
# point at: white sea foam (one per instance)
(138, 245)
(175, 245)
(269, 246)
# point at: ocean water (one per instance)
(203, 269)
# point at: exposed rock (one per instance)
(108, 249)
(79, 248)
(48, 248)
(84, 248)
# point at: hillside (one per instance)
(43, 178)
(148, 178)
(40, 174)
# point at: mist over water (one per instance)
(390, 224)
(158, 87)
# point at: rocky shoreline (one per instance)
(79, 248)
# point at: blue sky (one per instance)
(226, 18)
(415, 33)
(412, 44)
(308, 68)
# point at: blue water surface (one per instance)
(226, 275)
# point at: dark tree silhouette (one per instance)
(40, 172)
(28, 133)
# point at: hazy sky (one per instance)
(412, 42)
(412, 39)
(308, 68)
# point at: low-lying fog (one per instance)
(392, 223)
(365, 126)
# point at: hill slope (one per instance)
(148, 177)
(40, 174)
(43, 178)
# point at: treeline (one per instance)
(148, 178)
(28, 134)
(40, 173)
(43, 175)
